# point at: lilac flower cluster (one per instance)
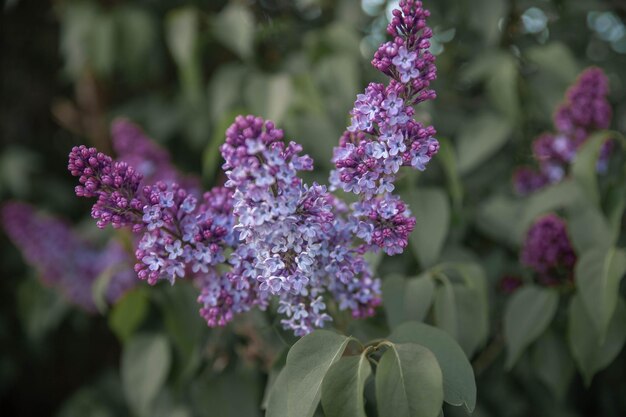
(64, 261)
(266, 235)
(383, 136)
(585, 110)
(300, 248)
(548, 251)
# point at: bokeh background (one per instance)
(183, 69)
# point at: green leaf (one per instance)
(431, 209)
(307, 363)
(588, 228)
(472, 319)
(225, 92)
(408, 382)
(342, 389)
(598, 274)
(181, 34)
(102, 46)
(498, 217)
(584, 167)
(128, 313)
(445, 308)
(552, 363)
(418, 296)
(479, 139)
(234, 27)
(145, 365)
(502, 87)
(590, 354)
(555, 58)
(448, 159)
(407, 299)
(268, 96)
(459, 385)
(561, 195)
(528, 314)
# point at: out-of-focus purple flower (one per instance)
(548, 251)
(526, 181)
(586, 107)
(585, 110)
(508, 284)
(65, 261)
(135, 148)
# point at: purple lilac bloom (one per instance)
(65, 261)
(385, 223)
(585, 110)
(548, 251)
(178, 232)
(295, 247)
(382, 135)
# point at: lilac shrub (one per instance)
(267, 236)
(64, 260)
(585, 111)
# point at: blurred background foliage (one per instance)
(183, 69)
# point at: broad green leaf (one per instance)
(561, 195)
(503, 89)
(590, 354)
(103, 46)
(181, 34)
(555, 58)
(408, 382)
(418, 297)
(393, 299)
(225, 92)
(459, 385)
(445, 308)
(472, 307)
(588, 228)
(598, 274)
(234, 27)
(552, 363)
(431, 209)
(342, 389)
(584, 167)
(479, 139)
(137, 41)
(145, 365)
(498, 218)
(307, 363)
(268, 95)
(408, 299)
(528, 314)
(128, 313)
(484, 17)
(277, 396)
(448, 159)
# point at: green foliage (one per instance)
(342, 389)
(145, 364)
(408, 382)
(528, 315)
